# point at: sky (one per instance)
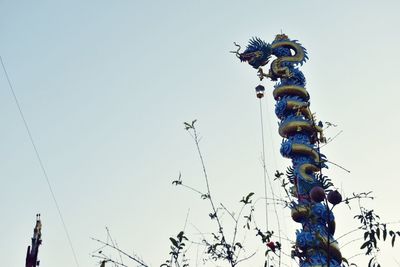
(105, 87)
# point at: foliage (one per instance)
(373, 230)
(222, 247)
(178, 244)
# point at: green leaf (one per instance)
(237, 244)
(174, 242)
(187, 126)
(249, 195)
(205, 196)
(364, 245)
(176, 182)
(246, 200)
(370, 262)
(366, 235)
(180, 236)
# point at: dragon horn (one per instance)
(237, 51)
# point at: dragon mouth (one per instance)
(251, 56)
(255, 59)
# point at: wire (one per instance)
(279, 191)
(265, 173)
(40, 161)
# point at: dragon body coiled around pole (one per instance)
(315, 244)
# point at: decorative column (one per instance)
(315, 244)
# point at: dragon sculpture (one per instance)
(315, 244)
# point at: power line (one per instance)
(40, 161)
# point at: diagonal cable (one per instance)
(40, 162)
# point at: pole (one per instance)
(315, 245)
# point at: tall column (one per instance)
(315, 244)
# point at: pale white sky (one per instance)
(106, 85)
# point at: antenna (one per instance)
(33, 250)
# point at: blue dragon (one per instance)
(315, 244)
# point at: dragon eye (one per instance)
(258, 54)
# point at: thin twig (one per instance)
(114, 244)
(107, 259)
(337, 165)
(331, 139)
(223, 238)
(359, 254)
(351, 241)
(350, 232)
(121, 251)
(246, 258)
(193, 189)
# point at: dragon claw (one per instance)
(261, 74)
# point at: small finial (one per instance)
(281, 36)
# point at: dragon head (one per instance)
(257, 53)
